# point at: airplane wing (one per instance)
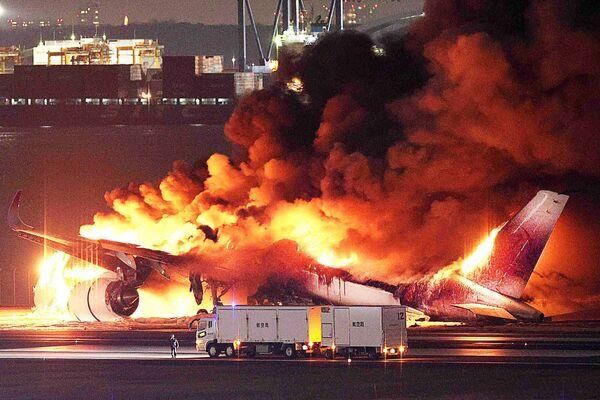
(485, 310)
(132, 264)
(108, 254)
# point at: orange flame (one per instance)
(317, 236)
(175, 301)
(478, 258)
(58, 275)
(481, 255)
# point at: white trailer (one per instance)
(326, 330)
(363, 330)
(251, 330)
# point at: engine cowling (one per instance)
(104, 299)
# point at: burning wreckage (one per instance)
(487, 284)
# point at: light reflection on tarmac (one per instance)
(507, 356)
(556, 344)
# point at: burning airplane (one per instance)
(487, 284)
(384, 168)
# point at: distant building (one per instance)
(89, 14)
(144, 52)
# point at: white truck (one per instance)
(292, 330)
(251, 330)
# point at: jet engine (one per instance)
(104, 299)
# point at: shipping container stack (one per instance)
(202, 77)
(179, 76)
(182, 77)
(246, 82)
(31, 82)
(6, 87)
(209, 64)
(100, 81)
(154, 79)
(72, 82)
(187, 89)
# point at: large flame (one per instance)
(59, 274)
(175, 301)
(476, 260)
(481, 255)
(317, 234)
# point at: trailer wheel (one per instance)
(213, 351)
(229, 351)
(329, 354)
(374, 356)
(289, 352)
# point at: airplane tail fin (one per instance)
(14, 219)
(520, 243)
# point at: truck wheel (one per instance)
(329, 354)
(374, 356)
(229, 351)
(213, 351)
(289, 352)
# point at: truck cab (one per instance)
(206, 333)
(252, 330)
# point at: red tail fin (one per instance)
(520, 243)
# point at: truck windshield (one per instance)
(202, 325)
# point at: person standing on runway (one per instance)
(174, 346)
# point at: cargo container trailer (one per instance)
(372, 331)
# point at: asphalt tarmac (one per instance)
(456, 363)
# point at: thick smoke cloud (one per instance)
(397, 158)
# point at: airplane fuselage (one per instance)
(448, 299)
(493, 292)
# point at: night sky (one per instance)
(203, 11)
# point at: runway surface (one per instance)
(457, 363)
(416, 355)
